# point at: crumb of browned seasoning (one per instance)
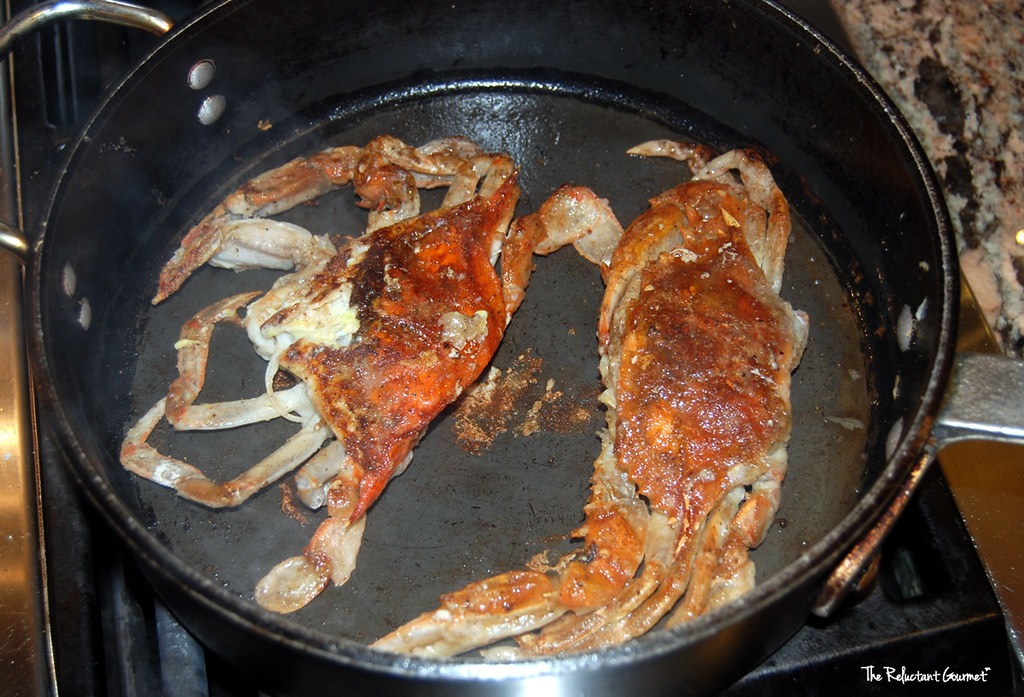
(288, 506)
(507, 400)
(473, 427)
(486, 409)
(565, 415)
(539, 563)
(531, 424)
(555, 414)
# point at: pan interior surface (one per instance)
(465, 510)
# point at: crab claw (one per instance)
(482, 612)
(291, 584)
(330, 556)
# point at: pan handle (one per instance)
(111, 11)
(12, 239)
(984, 401)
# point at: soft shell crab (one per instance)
(382, 330)
(696, 351)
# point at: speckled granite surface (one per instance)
(956, 70)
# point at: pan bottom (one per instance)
(457, 515)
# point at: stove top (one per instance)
(929, 616)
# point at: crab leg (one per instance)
(385, 174)
(259, 243)
(332, 551)
(698, 580)
(217, 416)
(190, 482)
(572, 215)
(480, 614)
(330, 556)
(681, 571)
(686, 572)
(193, 347)
(572, 631)
(178, 407)
(313, 478)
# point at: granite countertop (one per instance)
(956, 71)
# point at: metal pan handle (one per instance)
(31, 20)
(984, 401)
(111, 11)
(25, 617)
(13, 240)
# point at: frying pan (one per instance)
(245, 85)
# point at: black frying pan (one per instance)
(565, 91)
